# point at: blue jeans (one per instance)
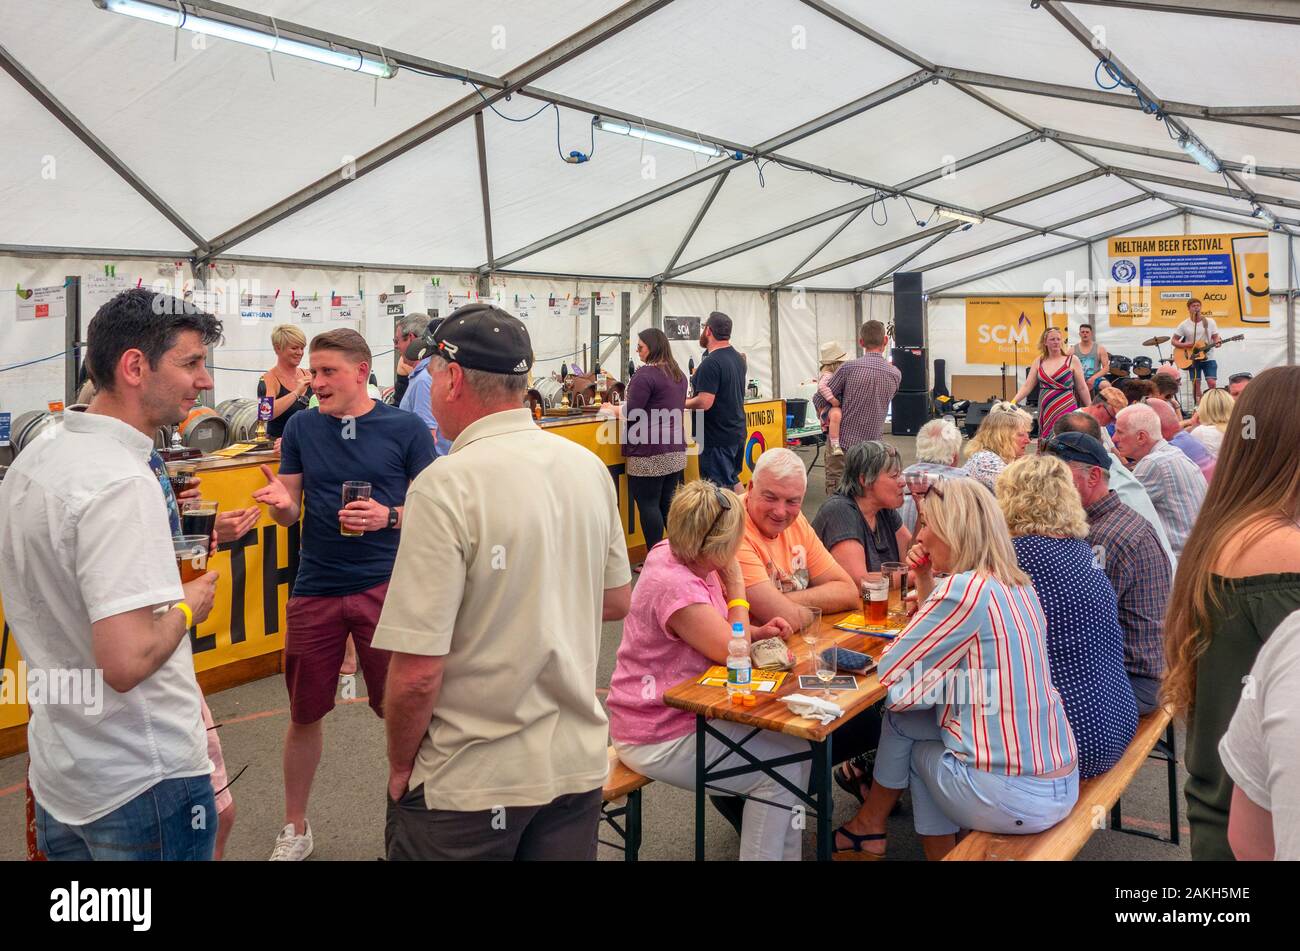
(174, 821)
(947, 795)
(721, 464)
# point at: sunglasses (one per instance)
(725, 504)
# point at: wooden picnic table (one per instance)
(769, 713)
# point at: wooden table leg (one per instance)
(701, 794)
(821, 789)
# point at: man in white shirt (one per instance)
(1198, 333)
(94, 598)
(496, 739)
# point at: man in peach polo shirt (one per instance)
(785, 566)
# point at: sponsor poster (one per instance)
(345, 307)
(1006, 329)
(606, 306)
(393, 306)
(307, 310)
(42, 303)
(581, 307)
(682, 328)
(256, 307)
(1153, 277)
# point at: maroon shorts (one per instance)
(314, 645)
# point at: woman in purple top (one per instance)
(653, 433)
(683, 606)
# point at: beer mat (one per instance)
(857, 624)
(762, 681)
(840, 682)
(238, 449)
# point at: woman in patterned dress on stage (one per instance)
(1063, 388)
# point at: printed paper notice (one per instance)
(345, 307)
(41, 303)
(256, 307)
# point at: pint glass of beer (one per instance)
(183, 476)
(198, 517)
(354, 492)
(875, 600)
(191, 556)
(896, 573)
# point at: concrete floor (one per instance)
(347, 806)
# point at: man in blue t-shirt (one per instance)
(720, 393)
(342, 579)
(416, 398)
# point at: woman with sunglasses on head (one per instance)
(973, 725)
(1000, 441)
(690, 593)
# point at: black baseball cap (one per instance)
(484, 337)
(1079, 447)
(422, 346)
(719, 324)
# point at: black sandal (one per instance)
(857, 853)
(855, 785)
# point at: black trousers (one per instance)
(652, 496)
(563, 830)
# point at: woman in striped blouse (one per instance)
(973, 723)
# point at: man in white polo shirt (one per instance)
(512, 556)
(93, 596)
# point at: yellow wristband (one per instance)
(737, 603)
(186, 610)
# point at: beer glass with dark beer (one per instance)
(198, 517)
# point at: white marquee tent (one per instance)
(156, 154)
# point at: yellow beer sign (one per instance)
(1006, 329)
(1153, 277)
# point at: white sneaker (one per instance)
(290, 847)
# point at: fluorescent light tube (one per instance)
(619, 127)
(1199, 152)
(956, 215)
(1265, 215)
(250, 36)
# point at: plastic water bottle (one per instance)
(738, 665)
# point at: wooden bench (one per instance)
(1063, 841)
(623, 783)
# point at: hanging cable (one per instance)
(28, 363)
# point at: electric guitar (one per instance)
(1201, 352)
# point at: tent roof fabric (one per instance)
(854, 120)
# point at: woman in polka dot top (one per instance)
(1085, 644)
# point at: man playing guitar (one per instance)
(1093, 357)
(1198, 334)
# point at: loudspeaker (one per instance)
(975, 414)
(910, 413)
(909, 326)
(911, 363)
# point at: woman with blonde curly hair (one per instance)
(1238, 580)
(1085, 643)
(1212, 414)
(1000, 441)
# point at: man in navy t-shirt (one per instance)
(342, 579)
(720, 393)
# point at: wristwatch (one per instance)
(392, 517)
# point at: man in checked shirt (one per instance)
(864, 388)
(1127, 549)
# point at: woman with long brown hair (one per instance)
(653, 433)
(1238, 578)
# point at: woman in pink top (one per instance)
(678, 627)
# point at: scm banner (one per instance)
(1153, 277)
(1005, 330)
